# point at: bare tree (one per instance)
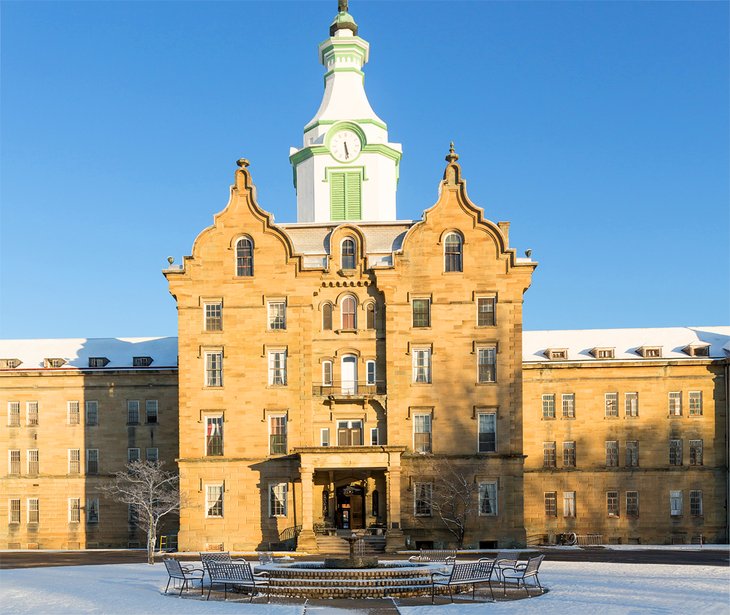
(151, 491)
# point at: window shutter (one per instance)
(337, 196)
(352, 195)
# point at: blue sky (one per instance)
(599, 130)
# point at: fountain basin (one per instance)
(351, 562)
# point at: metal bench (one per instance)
(504, 559)
(182, 572)
(520, 572)
(447, 556)
(471, 573)
(238, 575)
(219, 557)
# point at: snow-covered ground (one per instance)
(575, 587)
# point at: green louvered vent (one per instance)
(345, 195)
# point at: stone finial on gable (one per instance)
(242, 176)
(452, 173)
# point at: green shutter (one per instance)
(352, 196)
(345, 195)
(337, 196)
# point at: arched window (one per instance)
(327, 317)
(348, 253)
(452, 252)
(244, 258)
(348, 313)
(370, 313)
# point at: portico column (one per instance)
(394, 540)
(307, 541)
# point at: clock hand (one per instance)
(347, 153)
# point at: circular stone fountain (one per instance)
(355, 560)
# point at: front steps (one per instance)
(337, 545)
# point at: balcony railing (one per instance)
(348, 388)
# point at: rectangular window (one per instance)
(92, 510)
(213, 316)
(374, 436)
(92, 412)
(34, 515)
(31, 413)
(675, 403)
(632, 453)
(14, 511)
(568, 405)
(487, 358)
(213, 436)
(611, 454)
(150, 408)
(695, 503)
(33, 462)
(14, 462)
(13, 414)
(324, 436)
(214, 369)
(422, 365)
(695, 453)
(422, 433)
(74, 510)
(74, 461)
(421, 312)
(73, 413)
(132, 412)
(675, 452)
(92, 460)
(370, 373)
(349, 433)
(695, 403)
(132, 515)
(548, 406)
(569, 504)
(551, 503)
(632, 404)
(278, 499)
(277, 315)
(632, 503)
(548, 455)
(214, 500)
(675, 503)
(277, 434)
(487, 499)
(487, 442)
(611, 404)
(151, 454)
(485, 311)
(422, 499)
(612, 503)
(568, 454)
(277, 368)
(327, 373)
(133, 455)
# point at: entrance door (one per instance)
(350, 507)
(349, 375)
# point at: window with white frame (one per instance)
(548, 455)
(213, 316)
(31, 413)
(74, 461)
(675, 503)
(374, 436)
(277, 434)
(244, 257)
(348, 316)
(370, 372)
(551, 503)
(151, 408)
(568, 405)
(92, 460)
(611, 453)
(133, 412)
(487, 365)
(611, 401)
(14, 462)
(14, 511)
(632, 453)
(327, 373)
(349, 433)
(213, 436)
(348, 253)
(92, 412)
(695, 453)
(675, 452)
(214, 369)
(324, 436)
(632, 404)
(421, 312)
(675, 403)
(133, 455)
(277, 315)
(422, 433)
(422, 365)
(485, 311)
(13, 414)
(695, 403)
(488, 499)
(277, 367)
(152, 454)
(33, 462)
(487, 438)
(612, 506)
(34, 512)
(214, 500)
(73, 413)
(74, 510)
(569, 504)
(92, 510)
(548, 406)
(569, 454)
(632, 503)
(278, 499)
(695, 503)
(422, 499)
(453, 257)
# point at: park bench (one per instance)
(182, 572)
(447, 556)
(471, 573)
(520, 572)
(504, 559)
(238, 575)
(220, 557)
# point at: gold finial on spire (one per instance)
(342, 6)
(452, 156)
(242, 162)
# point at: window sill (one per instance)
(276, 386)
(481, 384)
(548, 418)
(487, 327)
(421, 384)
(132, 424)
(338, 331)
(567, 418)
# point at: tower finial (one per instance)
(343, 19)
(342, 6)
(452, 156)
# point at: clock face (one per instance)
(345, 145)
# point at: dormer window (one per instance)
(348, 253)
(9, 363)
(141, 361)
(650, 352)
(557, 354)
(244, 258)
(603, 353)
(54, 362)
(697, 350)
(98, 361)
(452, 253)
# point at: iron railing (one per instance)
(348, 388)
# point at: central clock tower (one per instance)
(346, 168)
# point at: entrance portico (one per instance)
(350, 487)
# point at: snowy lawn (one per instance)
(574, 588)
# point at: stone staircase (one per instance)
(337, 545)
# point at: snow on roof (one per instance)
(120, 351)
(580, 342)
